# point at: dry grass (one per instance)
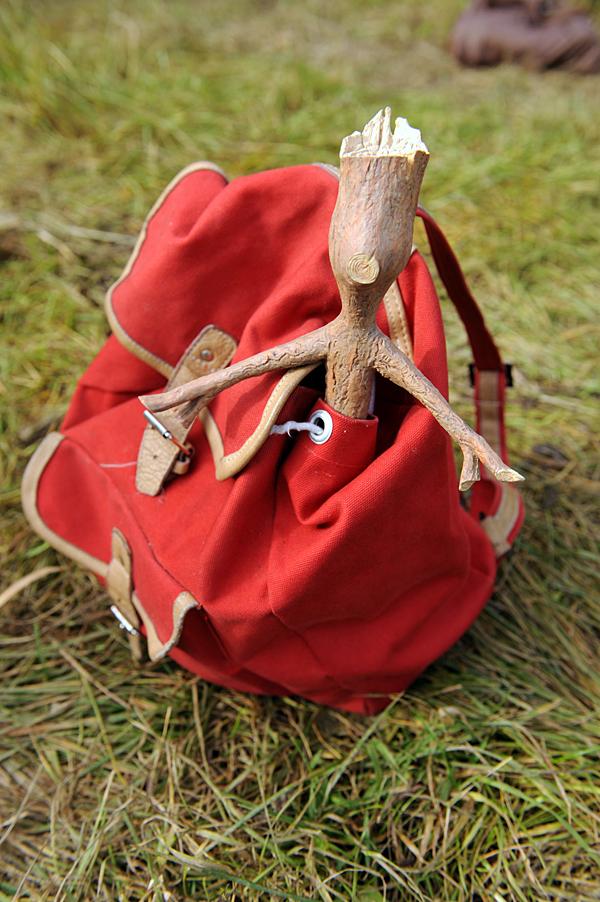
(481, 782)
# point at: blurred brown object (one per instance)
(538, 34)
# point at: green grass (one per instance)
(482, 782)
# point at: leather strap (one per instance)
(485, 353)
(160, 457)
(497, 505)
(119, 586)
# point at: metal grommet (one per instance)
(207, 354)
(324, 421)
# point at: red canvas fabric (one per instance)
(337, 572)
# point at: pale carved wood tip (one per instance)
(378, 140)
(470, 468)
(510, 475)
(149, 402)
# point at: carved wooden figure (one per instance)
(370, 242)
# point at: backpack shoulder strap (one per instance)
(498, 506)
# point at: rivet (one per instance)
(206, 354)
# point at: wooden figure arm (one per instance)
(310, 348)
(395, 366)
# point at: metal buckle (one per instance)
(166, 433)
(123, 622)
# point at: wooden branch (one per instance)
(310, 348)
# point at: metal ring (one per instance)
(324, 421)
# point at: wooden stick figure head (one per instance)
(370, 238)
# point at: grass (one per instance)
(481, 782)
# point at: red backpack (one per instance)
(282, 564)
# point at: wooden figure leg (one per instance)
(396, 367)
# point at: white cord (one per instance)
(293, 425)
(319, 427)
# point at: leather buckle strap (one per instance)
(119, 585)
(164, 451)
(156, 424)
(498, 505)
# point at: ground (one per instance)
(481, 782)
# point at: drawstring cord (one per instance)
(295, 426)
(320, 425)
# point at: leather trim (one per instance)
(29, 490)
(230, 464)
(396, 317)
(183, 603)
(157, 649)
(120, 333)
(499, 526)
(157, 363)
